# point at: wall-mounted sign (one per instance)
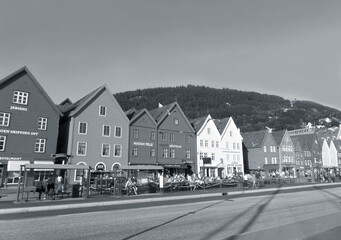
(16, 132)
(207, 160)
(11, 158)
(18, 108)
(174, 146)
(143, 144)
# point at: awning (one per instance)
(15, 165)
(56, 166)
(141, 167)
(43, 162)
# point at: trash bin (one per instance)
(75, 191)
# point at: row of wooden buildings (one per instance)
(96, 132)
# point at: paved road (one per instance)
(295, 215)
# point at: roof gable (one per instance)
(138, 114)
(24, 70)
(254, 139)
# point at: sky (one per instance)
(289, 48)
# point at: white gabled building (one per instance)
(231, 147)
(208, 146)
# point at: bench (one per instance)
(61, 194)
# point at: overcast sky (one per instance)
(290, 48)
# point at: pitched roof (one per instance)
(278, 136)
(138, 113)
(76, 107)
(221, 124)
(305, 140)
(159, 113)
(197, 123)
(24, 70)
(254, 139)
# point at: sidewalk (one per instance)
(9, 206)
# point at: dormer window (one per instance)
(20, 97)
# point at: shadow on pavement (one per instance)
(244, 229)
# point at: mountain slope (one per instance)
(251, 111)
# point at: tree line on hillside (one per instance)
(250, 110)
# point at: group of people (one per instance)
(48, 187)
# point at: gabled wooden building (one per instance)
(29, 123)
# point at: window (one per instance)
(165, 153)
(42, 123)
(136, 134)
(176, 121)
(81, 148)
(20, 97)
(152, 136)
(273, 160)
(118, 132)
(213, 156)
(238, 146)
(201, 143)
(231, 134)
(164, 136)
(152, 152)
(2, 143)
(212, 144)
(266, 160)
(188, 154)
(217, 144)
(264, 148)
(227, 145)
(40, 145)
(79, 173)
(105, 150)
(82, 129)
(201, 155)
(106, 130)
(206, 143)
(172, 153)
(135, 151)
(118, 150)
(4, 119)
(234, 146)
(208, 130)
(102, 111)
(187, 139)
(172, 137)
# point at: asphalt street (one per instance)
(279, 214)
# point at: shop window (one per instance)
(20, 97)
(4, 119)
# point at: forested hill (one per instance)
(250, 110)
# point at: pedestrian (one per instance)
(40, 189)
